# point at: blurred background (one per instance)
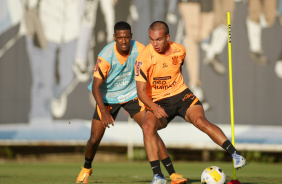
(48, 50)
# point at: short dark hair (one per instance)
(122, 26)
(157, 25)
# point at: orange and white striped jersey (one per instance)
(161, 72)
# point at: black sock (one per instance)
(168, 165)
(88, 163)
(227, 145)
(155, 165)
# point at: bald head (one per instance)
(159, 25)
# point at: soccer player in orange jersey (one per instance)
(164, 94)
(113, 88)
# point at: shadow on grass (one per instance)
(193, 180)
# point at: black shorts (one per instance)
(132, 107)
(177, 105)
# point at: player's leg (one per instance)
(137, 113)
(132, 107)
(162, 148)
(97, 132)
(196, 116)
(151, 124)
(191, 109)
(163, 154)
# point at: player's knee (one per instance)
(147, 128)
(202, 123)
(93, 140)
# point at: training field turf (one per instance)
(130, 172)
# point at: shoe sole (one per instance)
(180, 182)
(240, 167)
(82, 181)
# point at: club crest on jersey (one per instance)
(175, 60)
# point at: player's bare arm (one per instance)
(141, 91)
(106, 117)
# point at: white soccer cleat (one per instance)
(158, 179)
(238, 160)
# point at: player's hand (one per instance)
(159, 111)
(107, 119)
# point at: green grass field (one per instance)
(130, 172)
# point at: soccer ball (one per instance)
(213, 175)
